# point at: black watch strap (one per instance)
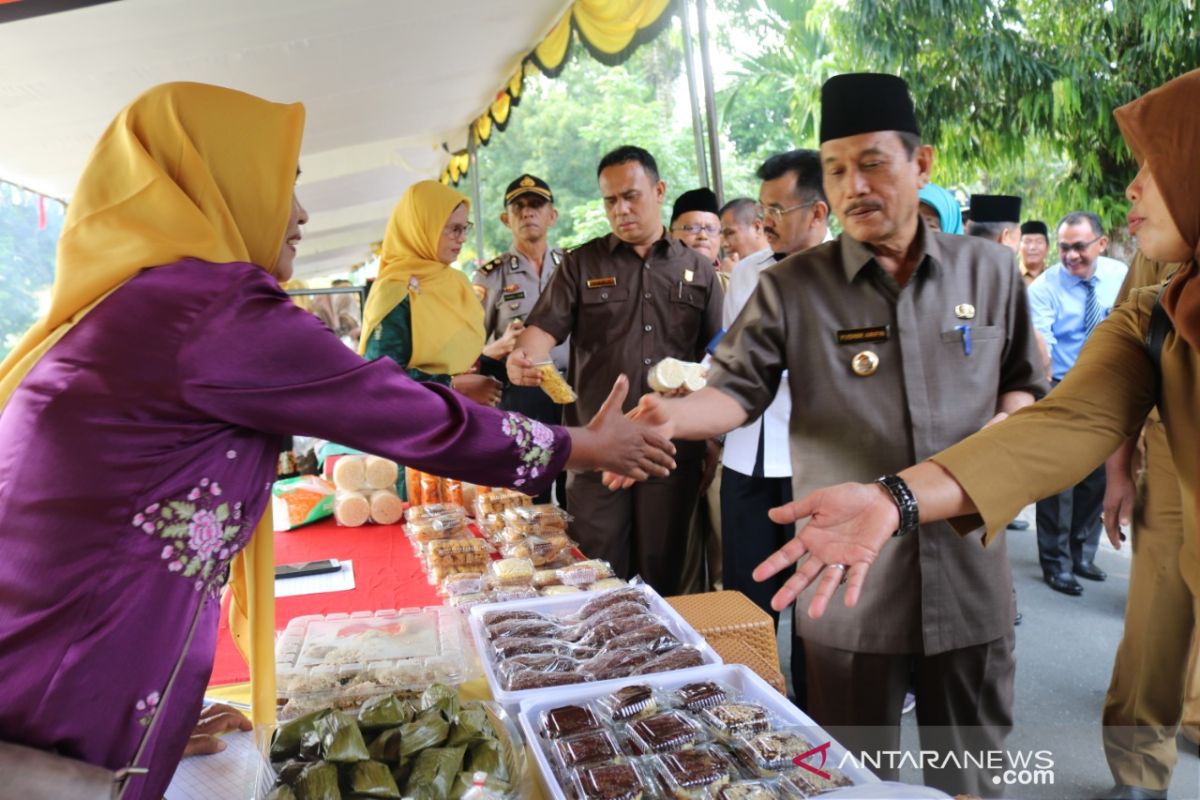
(906, 503)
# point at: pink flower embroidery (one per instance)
(215, 489)
(168, 551)
(194, 495)
(204, 534)
(138, 519)
(148, 527)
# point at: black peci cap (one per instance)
(865, 102)
(694, 200)
(995, 208)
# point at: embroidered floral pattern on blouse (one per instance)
(200, 534)
(535, 441)
(146, 708)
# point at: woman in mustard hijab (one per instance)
(141, 421)
(421, 312)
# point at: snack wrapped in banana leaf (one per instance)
(372, 779)
(433, 773)
(287, 738)
(488, 755)
(429, 729)
(384, 711)
(471, 725)
(466, 780)
(555, 385)
(290, 771)
(310, 746)
(442, 697)
(341, 740)
(318, 781)
(386, 746)
(281, 792)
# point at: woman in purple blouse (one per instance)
(142, 419)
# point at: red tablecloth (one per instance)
(386, 575)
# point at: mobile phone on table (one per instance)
(307, 568)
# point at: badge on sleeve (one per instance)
(964, 311)
(481, 291)
(864, 363)
(600, 283)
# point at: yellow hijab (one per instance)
(186, 170)
(447, 319)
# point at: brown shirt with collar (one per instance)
(811, 315)
(625, 313)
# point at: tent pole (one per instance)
(690, 60)
(476, 197)
(710, 103)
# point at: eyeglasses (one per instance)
(1078, 247)
(769, 213)
(694, 228)
(459, 231)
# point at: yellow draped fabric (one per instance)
(186, 170)
(610, 29)
(447, 319)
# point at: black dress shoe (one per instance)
(1090, 571)
(1064, 583)
(1018, 525)
(1017, 619)
(1123, 792)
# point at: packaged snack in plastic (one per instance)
(698, 772)
(503, 594)
(569, 720)
(766, 752)
(606, 584)
(665, 731)
(542, 518)
(386, 507)
(348, 472)
(430, 510)
(299, 501)
(431, 488)
(580, 574)
(468, 600)
(512, 571)
(583, 749)
(630, 702)
(463, 583)
(610, 599)
(545, 577)
(701, 694)
(614, 664)
(550, 591)
(525, 627)
(623, 781)
(446, 525)
(380, 473)
(555, 385)
(351, 509)
(453, 492)
(736, 719)
(679, 658)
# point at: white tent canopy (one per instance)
(385, 83)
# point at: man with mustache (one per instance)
(896, 341)
(509, 285)
(791, 201)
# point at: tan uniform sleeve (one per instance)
(1051, 445)
(749, 361)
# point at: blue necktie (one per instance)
(1091, 307)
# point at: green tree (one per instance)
(26, 260)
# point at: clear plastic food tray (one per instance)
(742, 679)
(562, 605)
(337, 659)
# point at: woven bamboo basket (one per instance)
(741, 632)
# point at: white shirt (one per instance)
(741, 445)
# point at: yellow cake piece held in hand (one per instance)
(555, 385)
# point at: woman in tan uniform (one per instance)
(1049, 446)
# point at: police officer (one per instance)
(509, 286)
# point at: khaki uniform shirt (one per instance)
(625, 313)
(1144, 272)
(509, 287)
(1028, 276)
(1045, 449)
(811, 314)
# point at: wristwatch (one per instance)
(906, 503)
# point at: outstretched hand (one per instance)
(629, 446)
(847, 526)
(653, 413)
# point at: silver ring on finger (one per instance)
(845, 568)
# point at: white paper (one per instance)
(232, 774)
(340, 581)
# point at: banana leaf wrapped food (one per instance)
(281, 792)
(373, 779)
(471, 725)
(287, 739)
(433, 773)
(341, 740)
(428, 729)
(490, 756)
(384, 711)
(318, 781)
(466, 780)
(442, 697)
(386, 746)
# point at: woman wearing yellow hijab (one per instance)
(421, 312)
(141, 422)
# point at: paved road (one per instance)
(1065, 648)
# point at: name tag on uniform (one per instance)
(880, 333)
(514, 296)
(601, 283)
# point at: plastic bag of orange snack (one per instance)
(299, 501)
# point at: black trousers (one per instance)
(1068, 525)
(749, 536)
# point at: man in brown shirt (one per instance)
(897, 342)
(627, 301)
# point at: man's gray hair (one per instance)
(1076, 217)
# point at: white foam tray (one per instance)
(559, 605)
(739, 677)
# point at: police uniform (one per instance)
(882, 376)
(623, 314)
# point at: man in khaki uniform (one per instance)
(897, 341)
(1031, 252)
(627, 301)
(510, 284)
(1139, 720)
